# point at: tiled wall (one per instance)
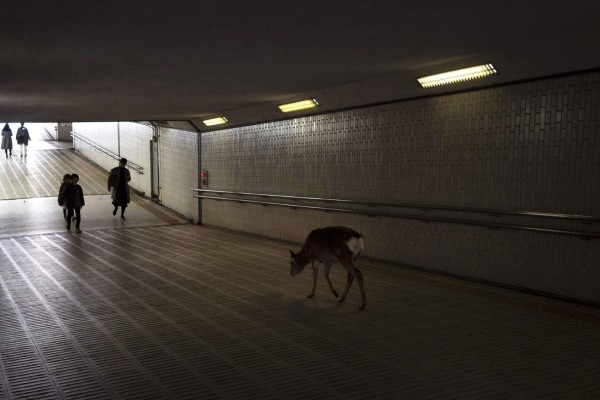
(125, 139)
(178, 155)
(135, 147)
(104, 134)
(178, 170)
(532, 146)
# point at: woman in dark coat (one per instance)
(117, 180)
(7, 140)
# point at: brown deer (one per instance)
(329, 245)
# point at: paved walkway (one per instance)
(40, 174)
(183, 311)
(43, 215)
(29, 188)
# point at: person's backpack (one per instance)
(19, 137)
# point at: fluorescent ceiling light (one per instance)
(459, 75)
(299, 105)
(215, 121)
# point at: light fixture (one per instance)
(459, 75)
(298, 105)
(215, 121)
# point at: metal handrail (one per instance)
(49, 134)
(131, 165)
(491, 225)
(582, 218)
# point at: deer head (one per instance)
(297, 263)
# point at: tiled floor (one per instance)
(184, 311)
(170, 310)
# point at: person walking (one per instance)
(7, 144)
(72, 198)
(118, 179)
(23, 139)
(66, 181)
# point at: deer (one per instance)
(329, 245)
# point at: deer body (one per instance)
(327, 246)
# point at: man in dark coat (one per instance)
(23, 139)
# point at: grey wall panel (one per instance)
(132, 142)
(177, 159)
(135, 146)
(104, 134)
(531, 146)
(178, 170)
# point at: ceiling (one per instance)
(63, 60)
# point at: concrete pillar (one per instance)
(63, 133)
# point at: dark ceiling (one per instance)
(87, 60)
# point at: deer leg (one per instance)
(354, 272)
(326, 273)
(349, 281)
(361, 283)
(315, 276)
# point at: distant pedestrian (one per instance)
(66, 181)
(117, 181)
(72, 198)
(23, 139)
(7, 140)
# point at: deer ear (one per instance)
(292, 254)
